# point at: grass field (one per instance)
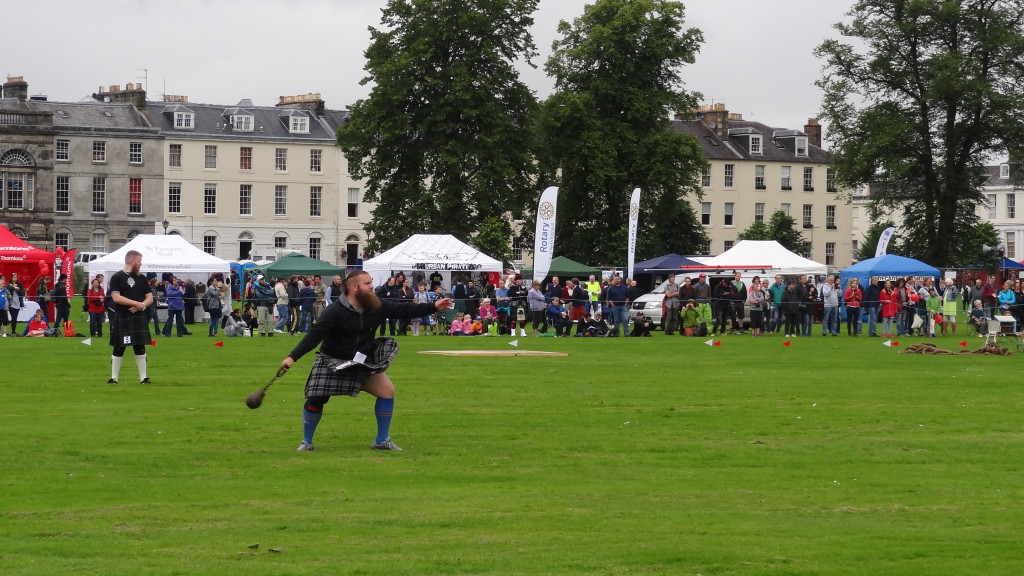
(630, 456)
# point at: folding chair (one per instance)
(992, 331)
(975, 329)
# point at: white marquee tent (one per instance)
(164, 253)
(766, 254)
(427, 253)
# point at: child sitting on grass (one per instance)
(460, 327)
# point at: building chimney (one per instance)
(813, 131)
(16, 87)
(310, 101)
(715, 117)
(132, 94)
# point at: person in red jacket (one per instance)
(853, 297)
(95, 299)
(37, 326)
(889, 301)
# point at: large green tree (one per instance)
(606, 131)
(925, 93)
(444, 140)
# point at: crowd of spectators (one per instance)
(573, 307)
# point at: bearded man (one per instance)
(350, 360)
(130, 293)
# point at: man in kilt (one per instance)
(345, 328)
(130, 293)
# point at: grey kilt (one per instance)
(129, 329)
(325, 381)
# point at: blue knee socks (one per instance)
(309, 422)
(383, 409)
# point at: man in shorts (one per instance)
(345, 333)
(130, 293)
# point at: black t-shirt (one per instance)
(131, 286)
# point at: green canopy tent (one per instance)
(566, 269)
(297, 264)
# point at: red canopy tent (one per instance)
(27, 261)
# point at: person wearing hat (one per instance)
(642, 326)
(690, 319)
(265, 301)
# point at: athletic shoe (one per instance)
(387, 444)
(305, 447)
(276, 331)
(111, 381)
(145, 381)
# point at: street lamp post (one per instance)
(166, 224)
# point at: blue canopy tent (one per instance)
(889, 266)
(241, 268)
(1006, 264)
(1011, 265)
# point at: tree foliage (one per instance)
(444, 140)
(606, 131)
(869, 245)
(756, 231)
(491, 237)
(984, 234)
(937, 90)
(782, 229)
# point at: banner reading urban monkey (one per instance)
(544, 239)
(634, 217)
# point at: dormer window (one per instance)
(242, 123)
(755, 144)
(1004, 171)
(801, 146)
(299, 125)
(183, 120)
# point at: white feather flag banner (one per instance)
(544, 238)
(634, 219)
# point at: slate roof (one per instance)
(335, 118)
(993, 180)
(94, 117)
(214, 121)
(777, 144)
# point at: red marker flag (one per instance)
(786, 343)
(219, 344)
(964, 343)
(152, 342)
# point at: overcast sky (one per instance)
(757, 55)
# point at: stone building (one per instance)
(755, 169)
(84, 175)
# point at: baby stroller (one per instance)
(503, 322)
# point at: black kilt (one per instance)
(130, 329)
(324, 380)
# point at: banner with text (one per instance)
(634, 218)
(544, 238)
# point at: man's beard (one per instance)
(367, 300)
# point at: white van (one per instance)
(83, 258)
